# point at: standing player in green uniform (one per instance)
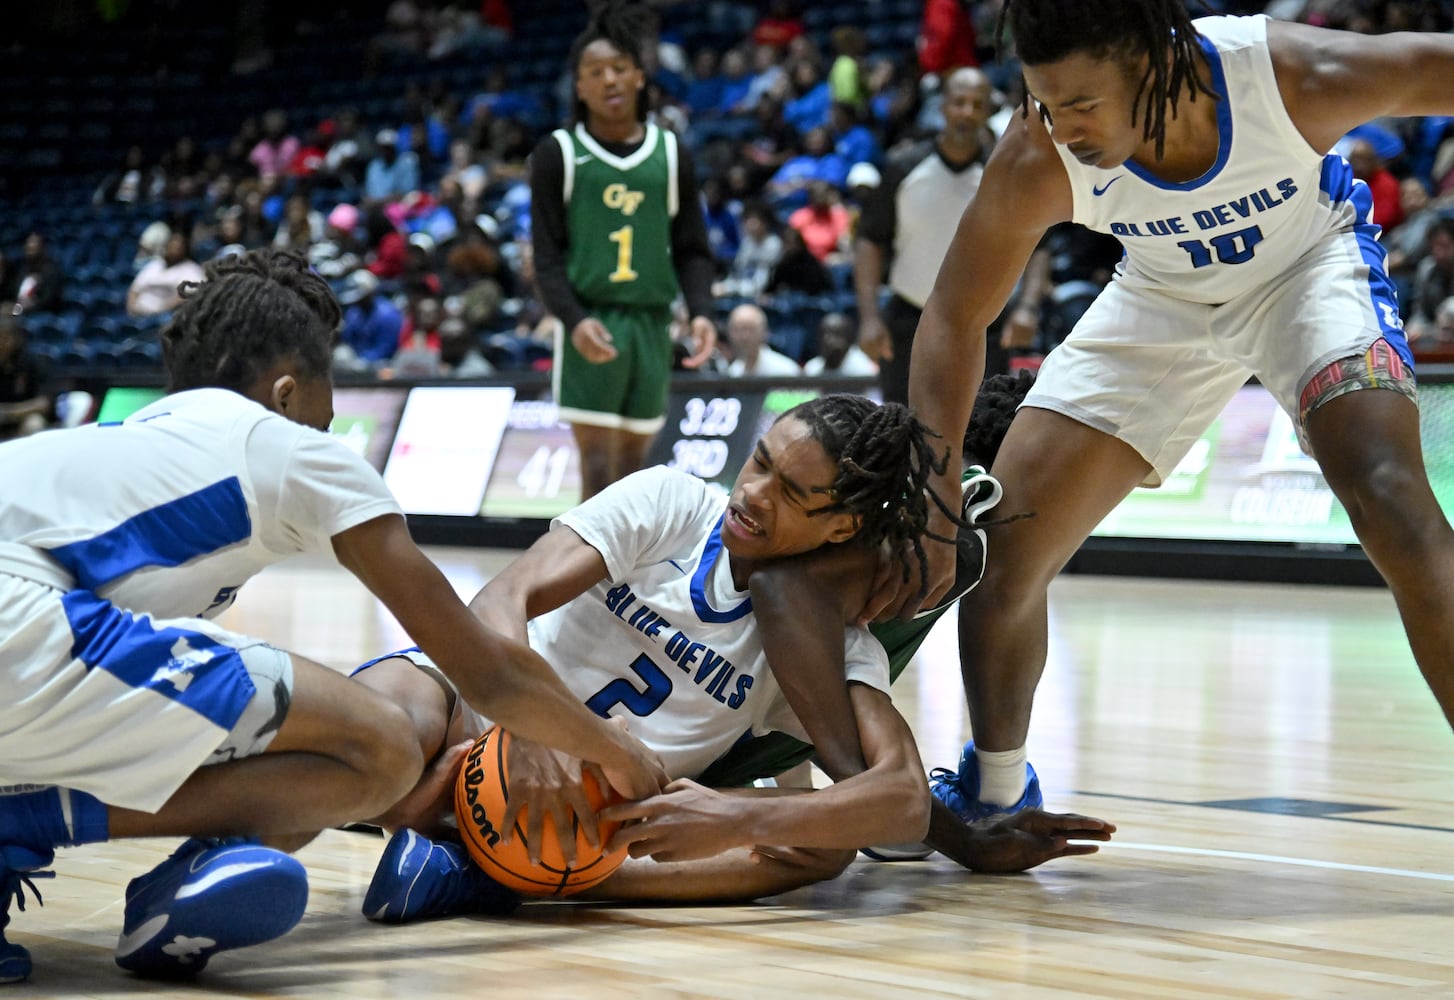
(618, 231)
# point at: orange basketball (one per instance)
(479, 805)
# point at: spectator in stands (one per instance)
(846, 74)
(1433, 283)
(152, 243)
(946, 37)
(339, 252)
(418, 353)
(1443, 325)
(467, 171)
(824, 223)
(459, 354)
(769, 80)
(838, 354)
(808, 96)
(852, 139)
(736, 82)
(773, 140)
(154, 290)
(779, 25)
(757, 254)
(1409, 243)
(301, 227)
(1382, 184)
(798, 270)
(275, 150)
(371, 323)
(129, 185)
(312, 156)
(904, 227)
(751, 354)
(474, 278)
(386, 249)
(391, 174)
(817, 162)
(704, 94)
(724, 234)
(349, 153)
(36, 284)
(25, 402)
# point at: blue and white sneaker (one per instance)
(210, 896)
(418, 877)
(18, 867)
(959, 790)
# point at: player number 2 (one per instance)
(623, 692)
(622, 239)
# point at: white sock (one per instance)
(1001, 775)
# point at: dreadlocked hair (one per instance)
(999, 397)
(1046, 31)
(250, 311)
(885, 458)
(626, 26)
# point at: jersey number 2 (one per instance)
(622, 692)
(622, 239)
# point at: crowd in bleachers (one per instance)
(392, 151)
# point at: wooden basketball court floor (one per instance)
(1280, 776)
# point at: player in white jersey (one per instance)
(127, 713)
(640, 598)
(1202, 146)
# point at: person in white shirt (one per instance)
(751, 354)
(128, 713)
(837, 352)
(156, 287)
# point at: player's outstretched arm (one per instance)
(1024, 191)
(888, 802)
(502, 677)
(558, 568)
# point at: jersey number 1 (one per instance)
(622, 239)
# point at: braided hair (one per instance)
(249, 312)
(885, 458)
(994, 407)
(626, 26)
(1046, 31)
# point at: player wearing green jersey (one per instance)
(617, 228)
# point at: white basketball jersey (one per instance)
(1267, 199)
(666, 641)
(172, 510)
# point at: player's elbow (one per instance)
(906, 801)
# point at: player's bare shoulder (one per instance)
(1025, 177)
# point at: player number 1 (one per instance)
(622, 239)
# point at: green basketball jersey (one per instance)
(619, 212)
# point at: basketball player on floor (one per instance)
(617, 229)
(128, 714)
(640, 596)
(1249, 251)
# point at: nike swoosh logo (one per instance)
(1100, 190)
(583, 159)
(130, 942)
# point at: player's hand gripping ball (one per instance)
(479, 805)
